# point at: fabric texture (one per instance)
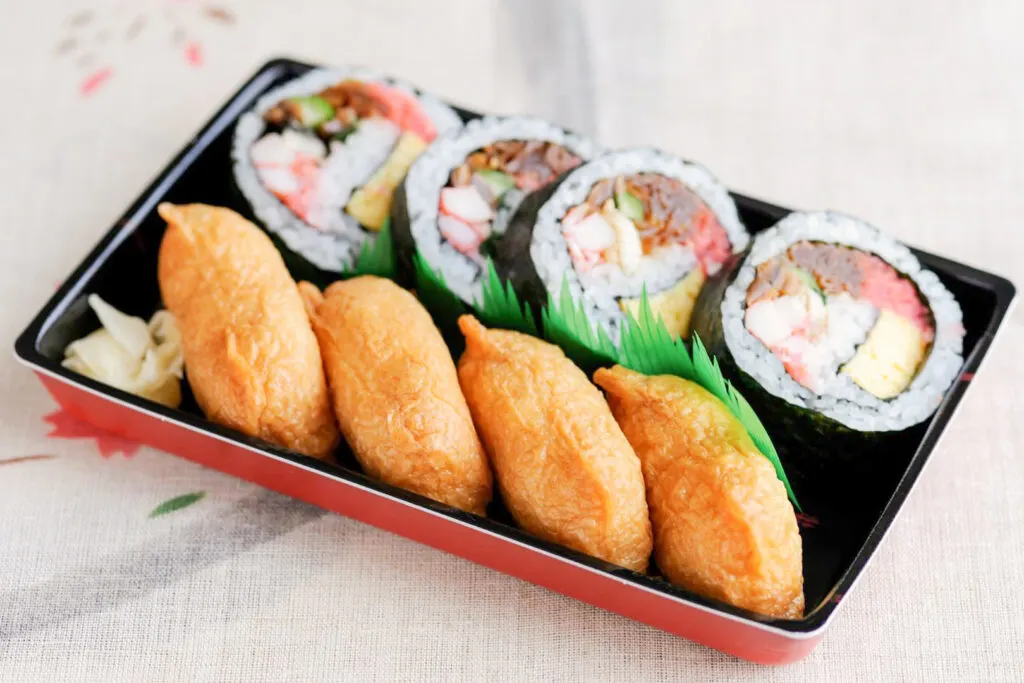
(906, 114)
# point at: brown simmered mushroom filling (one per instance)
(490, 182)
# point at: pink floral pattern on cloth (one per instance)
(66, 426)
(88, 35)
(194, 54)
(95, 80)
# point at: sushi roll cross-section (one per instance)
(826, 314)
(492, 178)
(320, 158)
(631, 227)
(627, 223)
(461, 194)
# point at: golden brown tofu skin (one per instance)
(564, 468)
(396, 392)
(723, 526)
(251, 358)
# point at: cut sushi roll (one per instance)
(319, 158)
(462, 192)
(838, 320)
(628, 222)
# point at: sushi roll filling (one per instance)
(646, 230)
(824, 309)
(335, 158)
(485, 189)
(334, 112)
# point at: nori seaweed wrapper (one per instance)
(511, 254)
(401, 235)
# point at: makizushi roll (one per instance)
(627, 222)
(319, 158)
(827, 316)
(461, 192)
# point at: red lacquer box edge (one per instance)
(732, 634)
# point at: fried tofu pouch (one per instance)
(564, 468)
(723, 526)
(396, 392)
(251, 358)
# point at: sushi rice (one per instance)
(601, 288)
(836, 395)
(431, 172)
(331, 238)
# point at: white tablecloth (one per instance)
(908, 114)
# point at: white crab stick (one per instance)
(466, 204)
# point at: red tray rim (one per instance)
(455, 516)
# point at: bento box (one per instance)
(838, 540)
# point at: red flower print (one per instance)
(94, 81)
(87, 37)
(194, 54)
(66, 426)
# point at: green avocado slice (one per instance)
(629, 205)
(500, 182)
(311, 110)
(809, 280)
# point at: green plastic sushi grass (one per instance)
(377, 257)
(566, 324)
(646, 345)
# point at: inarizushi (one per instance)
(396, 393)
(460, 194)
(320, 158)
(627, 223)
(722, 524)
(564, 468)
(251, 356)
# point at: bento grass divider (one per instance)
(121, 269)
